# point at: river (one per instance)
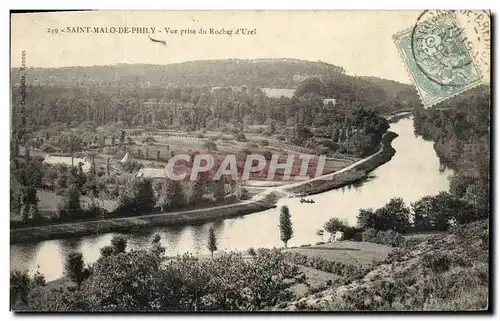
(412, 173)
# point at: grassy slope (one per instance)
(446, 271)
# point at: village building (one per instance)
(69, 161)
(152, 173)
(326, 101)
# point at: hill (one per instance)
(440, 272)
(279, 73)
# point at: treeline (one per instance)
(350, 126)
(132, 196)
(389, 223)
(460, 128)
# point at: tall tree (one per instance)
(122, 137)
(286, 229)
(212, 241)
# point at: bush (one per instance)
(48, 148)
(388, 237)
(348, 271)
(240, 137)
(131, 165)
(149, 140)
(437, 263)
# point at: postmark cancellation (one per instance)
(438, 58)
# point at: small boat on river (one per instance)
(303, 200)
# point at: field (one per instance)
(348, 252)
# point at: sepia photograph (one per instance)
(256, 161)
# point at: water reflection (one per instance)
(413, 172)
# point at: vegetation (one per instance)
(444, 272)
(286, 229)
(139, 281)
(212, 241)
(74, 268)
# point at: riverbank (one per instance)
(130, 224)
(356, 172)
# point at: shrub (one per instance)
(388, 237)
(48, 148)
(240, 137)
(437, 263)
(131, 165)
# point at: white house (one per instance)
(329, 100)
(153, 173)
(125, 158)
(337, 236)
(67, 161)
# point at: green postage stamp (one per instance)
(438, 58)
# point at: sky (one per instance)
(359, 41)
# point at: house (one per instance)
(54, 160)
(152, 173)
(125, 158)
(337, 236)
(326, 101)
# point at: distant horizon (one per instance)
(198, 60)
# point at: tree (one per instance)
(20, 285)
(156, 248)
(367, 218)
(122, 137)
(73, 144)
(219, 188)
(394, 215)
(70, 205)
(212, 241)
(194, 191)
(286, 230)
(240, 137)
(434, 212)
(74, 267)
(335, 225)
(171, 195)
(108, 166)
(210, 145)
(119, 244)
(107, 250)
